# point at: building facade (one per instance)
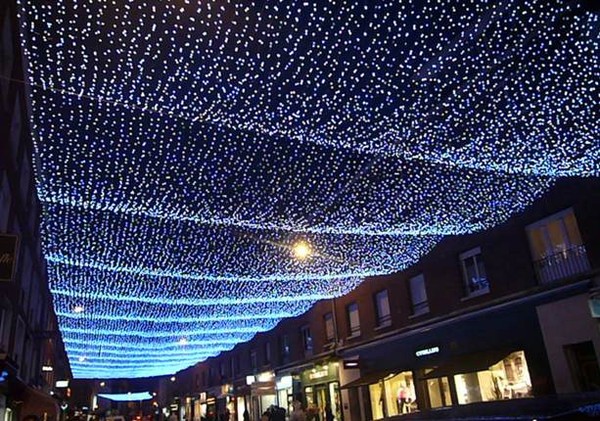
(505, 314)
(33, 364)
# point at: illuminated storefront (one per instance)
(285, 392)
(321, 388)
(262, 393)
(393, 395)
(508, 379)
(455, 383)
(480, 377)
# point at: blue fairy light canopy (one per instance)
(185, 148)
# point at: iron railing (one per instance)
(563, 264)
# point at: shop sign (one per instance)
(427, 351)
(284, 382)
(250, 380)
(62, 384)
(8, 256)
(318, 374)
(351, 364)
(266, 376)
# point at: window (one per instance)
(353, 319)
(284, 342)
(306, 339)
(474, 276)
(6, 200)
(418, 295)
(267, 353)
(253, 360)
(329, 328)
(556, 247)
(3, 326)
(19, 341)
(382, 309)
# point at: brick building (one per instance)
(32, 355)
(492, 316)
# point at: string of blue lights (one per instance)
(184, 149)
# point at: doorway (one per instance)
(584, 366)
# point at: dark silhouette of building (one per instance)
(32, 355)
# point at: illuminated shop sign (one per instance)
(61, 384)
(318, 374)
(351, 364)
(427, 351)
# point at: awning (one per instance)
(469, 363)
(368, 378)
(39, 403)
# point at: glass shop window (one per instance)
(507, 379)
(398, 392)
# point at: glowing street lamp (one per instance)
(301, 250)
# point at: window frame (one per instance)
(353, 331)
(463, 258)
(422, 307)
(328, 322)
(382, 320)
(307, 340)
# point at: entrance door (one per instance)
(321, 392)
(584, 366)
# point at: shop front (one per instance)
(262, 393)
(199, 412)
(284, 386)
(447, 366)
(206, 403)
(479, 377)
(464, 379)
(242, 392)
(321, 389)
(226, 401)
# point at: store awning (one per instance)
(469, 363)
(38, 402)
(368, 378)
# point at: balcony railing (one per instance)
(561, 265)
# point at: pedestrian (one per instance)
(297, 414)
(246, 415)
(328, 413)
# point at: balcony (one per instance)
(564, 264)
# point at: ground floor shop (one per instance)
(262, 393)
(321, 390)
(496, 354)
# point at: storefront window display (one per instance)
(393, 395)
(439, 392)
(507, 379)
(322, 389)
(285, 396)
